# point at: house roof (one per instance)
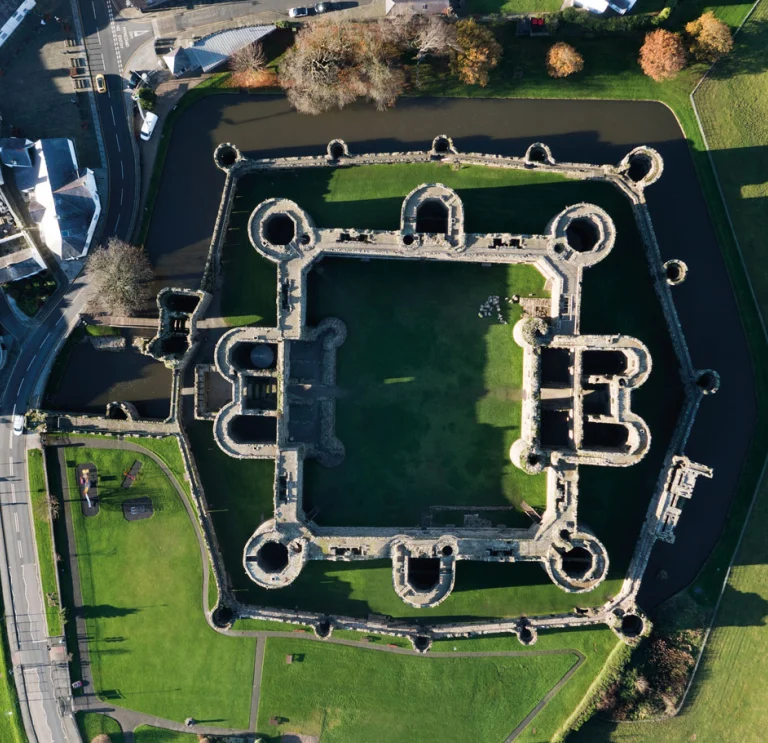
(14, 152)
(428, 7)
(177, 61)
(212, 51)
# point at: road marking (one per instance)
(14, 411)
(121, 197)
(118, 142)
(16, 520)
(59, 320)
(19, 390)
(118, 221)
(98, 36)
(31, 361)
(114, 120)
(21, 554)
(103, 63)
(122, 170)
(93, 5)
(47, 337)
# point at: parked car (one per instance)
(598, 7)
(300, 12)
(622, 6)
(134, 80)
(101, 83)
(18, 425)
(150, 121)
(325, 7)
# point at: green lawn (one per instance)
(431, 393)
(602, 650)
(38, 493)
(11, 726)
(350, 694)
(510, 7)
(92, 724)
(151, 649)
(148, 734)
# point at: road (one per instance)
(42, 683)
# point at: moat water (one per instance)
(579, 131)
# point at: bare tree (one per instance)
(250, 58)
(332, 64)
(120, 274)
(433, 36)
(46, 508)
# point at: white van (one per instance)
(150, 120)
(598, 7)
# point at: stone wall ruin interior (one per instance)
(272, 369)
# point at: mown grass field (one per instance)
(510, 7)
(151, 649)
(38, 493)
(149, 734)
(495, 200)
(350, 694)
(92, 724)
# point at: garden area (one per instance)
(31, 293)
(141, 583)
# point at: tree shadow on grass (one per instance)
(105, 611)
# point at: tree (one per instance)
(333, 63)
(431, 36)
(119, 275)
(710, 38)
(250, 58)
(477, 53)
(563, 60)
(662, 55)
(46, 508)
(147, 98)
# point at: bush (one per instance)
(147, 98)
(663, 16)
(578, 22)
(662, 55)
(563, 60)
(710, 38)
(31, 293)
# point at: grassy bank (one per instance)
(11, 726)
(92, 724)
(350, 694)
(38, 495)
(141, 584)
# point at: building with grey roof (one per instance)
(14, 152)
(212, 51)
(62, 198)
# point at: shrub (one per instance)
(662, 55)
(477, 53)
(563, 60)
(662, 16)
(710, 37)
(147, 98)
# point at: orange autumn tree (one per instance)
(477, 52)
(563, 60)
(711, 38)
(662, 55)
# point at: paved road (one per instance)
(42, 684)
(109, 40)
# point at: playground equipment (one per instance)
(85, 484)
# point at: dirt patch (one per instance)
(298, 738)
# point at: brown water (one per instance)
(586, 131)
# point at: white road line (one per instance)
(118, 221)
(103, 63)
(121, 197)
(47, 337)
(16, 520)
(118, 144)
(114, 120)
(122, 170)
(59, 320)
(10, 461)
(21, 554)
(98, 36)
(78, 295)
(19, 390)
(14, 410)
(93, 5)
(31, 361)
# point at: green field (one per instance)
(11, 726)
(38, 493)
(511, 7)
(92, 724)
(148, 734)
(495, 200)
(151, 649)
(350, 694)
(431, 394)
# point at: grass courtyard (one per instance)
(348, 694)
(151, 649)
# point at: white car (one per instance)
(150, 121)
(300, 12)
(18, 425)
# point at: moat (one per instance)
(600, 132)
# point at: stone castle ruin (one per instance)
(271, 394)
